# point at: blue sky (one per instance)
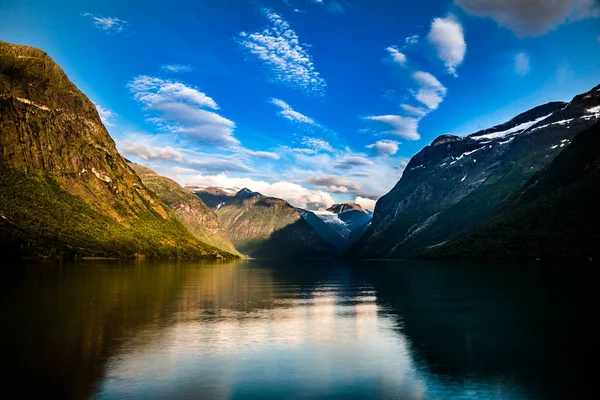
(314, 101)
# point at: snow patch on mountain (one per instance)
(516, 129)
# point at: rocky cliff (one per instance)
(456, 183)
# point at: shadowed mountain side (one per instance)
(188, 208)
(555, 215)
(455, 184)
(266, 227)
(485, 332)
(213, 197)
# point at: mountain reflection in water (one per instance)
(301, 329)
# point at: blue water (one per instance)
(298, 330)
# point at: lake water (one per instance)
(299, 330)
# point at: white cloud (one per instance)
(333, 183)
(105, 115)
(278, 46)
(177, 68)
(313, 146)
(289, 113)
(267, 155)
(447, 36)
(431, 91)
(182, 157)
(414, 111)
(522, 64)
(360, 174)
(367, 204)
(149, 153)
(531, 17)
(349, 162)
(107, 24)
(384, 147)
(180, 108)
(405, 127)
(414, 39)
(397, 56)
(295, 194)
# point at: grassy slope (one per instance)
(64, 186)
(556, 214)
(270, 227)
(188, 208)
(40, 218)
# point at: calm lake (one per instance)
(299, 330)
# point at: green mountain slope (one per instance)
(267, 227)
(64, 188)
(191, 211)
(555, 215)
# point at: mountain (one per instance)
(265, 227)
(333, 231)
(213, 197)
(188, 208)
(352, 214)
(555, 214)
(341, 225)
(456, 183)
(64, 188)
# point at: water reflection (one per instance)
(303, 330)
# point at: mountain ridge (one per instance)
(456, 183)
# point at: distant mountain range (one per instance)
(264, 227)
(340, 225)
(459, 185)
(528, 188)
(64, 188)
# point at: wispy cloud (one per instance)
(413, 39)
(179, 108)
(431, 92)
(176, 68)
(183, 158)
(287, 112)
(279, 47)
(106, 115)
(447, 35)
(396, 55)
(314, 145)
(107, 24)
(333, 183)
(522, 64)
(352, 161)
(402, 126)
(414, 111)
(384, 147)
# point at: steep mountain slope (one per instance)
(191, 211)
(64, 188)
(352, 214)
(555, 215)
(340, 225)
(213, 197)
(456, 183)
(266, 227)
(327, 230)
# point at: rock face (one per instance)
(266, 227)
(555, 215)
(64, 188)
(211, 196)
(341, 225)
(188, 208)
(455, 184)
